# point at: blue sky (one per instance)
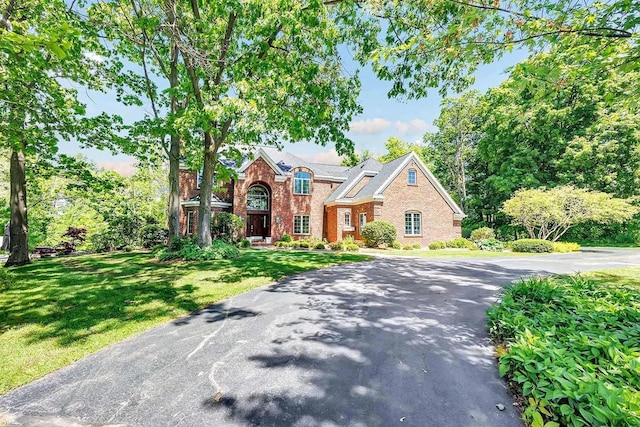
(381, 117)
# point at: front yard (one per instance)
(570, 347)
(56, 311)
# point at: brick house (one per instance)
(276, 193)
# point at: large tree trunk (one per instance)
(174, 150)
(19, 244)
(174, 189)
(204, 210)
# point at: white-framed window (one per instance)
(302, 183)
(301, 224)
(257, 198)
(362, 219)
(412, 223)
(412, 177)
(190, 222)
(347, 219)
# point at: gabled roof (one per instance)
(283, 162)
(370, 167)
(382, 177)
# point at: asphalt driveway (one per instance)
(395, 341)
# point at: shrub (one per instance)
(103, 241)
(378, 233)
(491, 245)
(303, 244)
(152, 234)
(337, 246)
(565, 247)
(483, 233)
(286, 238)
(246, 243)
(569, 369)
(460, 243)
(352, 247)
(124, 229)
(437, 245)
(532, 245)
(396, 245)
(407, 248)
(176, 244)
(227, 227)
(190, 251)
(319, 245)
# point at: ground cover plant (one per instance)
(55, 311)
(570, 347)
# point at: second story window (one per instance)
(302, 183)
(412, 178)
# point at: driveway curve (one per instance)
(394, 341)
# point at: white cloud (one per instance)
(370, 126)
(126, 168)
(410, 127)
(330, 157)
(92, 56)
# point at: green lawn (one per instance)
(61, 309)
(446, 253)
(570, 347)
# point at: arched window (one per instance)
(412, 223)
(302, 183)
(412, 177)
(257, 198)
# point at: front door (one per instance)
(258, 225)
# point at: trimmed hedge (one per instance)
(565, 247)
(531, 245)
(437, 245)
(378, 233)
(483, 233)
(461, 243)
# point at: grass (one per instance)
(570, 347)
(445, 253)
(56, 311)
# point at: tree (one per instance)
(398, 148)
(441, 43)
(580, 132)
(353, 159)
(548, 214)
(43, 43)
(141, 32)
(453, 146)
(262, 72)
